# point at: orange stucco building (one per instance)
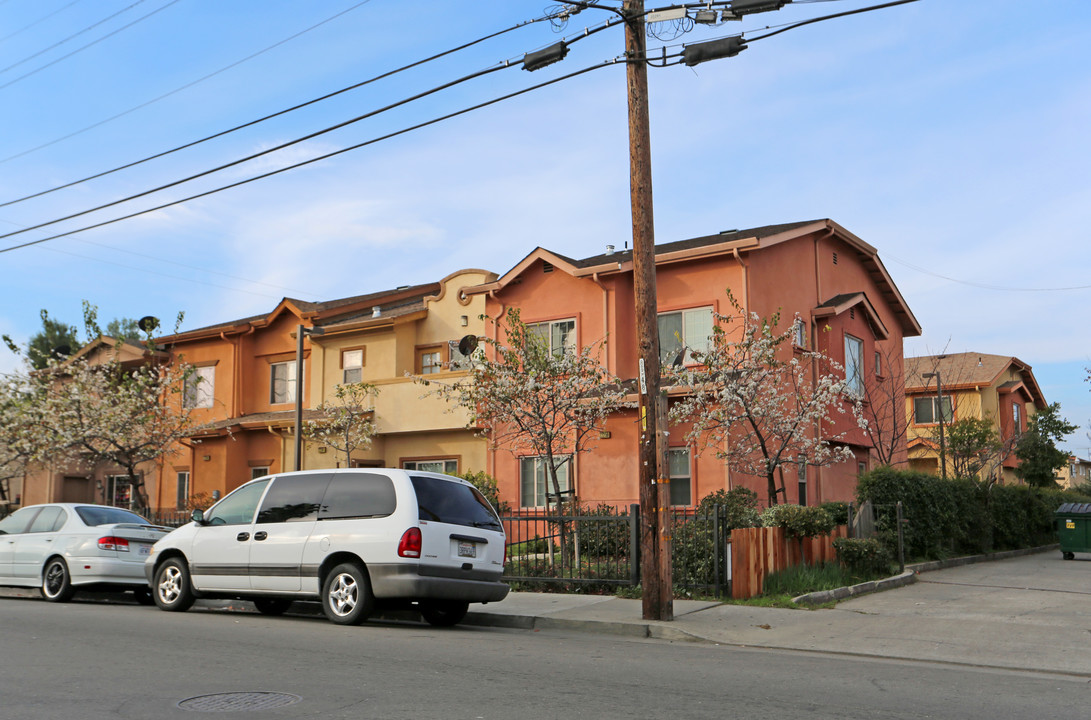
(833, 280)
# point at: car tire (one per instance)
(1068, 556)
(346, 595)
(272, 606)
(143, 596)
(56, 582)
(172, 589)
(441, 613)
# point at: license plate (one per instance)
(467, 549)
(143, 549)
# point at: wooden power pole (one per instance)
(654, 475)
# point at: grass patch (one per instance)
(780, 587)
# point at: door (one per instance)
(11, 530)
(220, 554)
(38, 543)
(285, 521)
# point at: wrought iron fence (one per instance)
(598, 550)
(170, 518)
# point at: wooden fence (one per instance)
(756, 552)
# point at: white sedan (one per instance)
(62, 547)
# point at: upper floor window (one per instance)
(799, 333)
(878, 363)
(429, 360)
(684, 330)
(1016, 415)
(448, 466)
(557, 335)
(457, 361)
(352, 366)
(181, 499)
(854, 365)
(926, 410)
(282, 381)
(199, 387)
(681, 476)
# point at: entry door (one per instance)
(284, 523)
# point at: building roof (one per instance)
(971, 370)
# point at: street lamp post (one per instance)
(939, 407)
(300, 332)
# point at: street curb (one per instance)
(824, 596)
(655, 631)
(986, 557)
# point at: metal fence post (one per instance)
(634, 544)
(717, 541)
(901, 539)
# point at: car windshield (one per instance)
(93, 516)
(450, 502)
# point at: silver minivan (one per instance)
(356, 540)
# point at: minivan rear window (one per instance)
(358, 494)
(450, 502)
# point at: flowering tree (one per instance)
(760, 403)
(884, 408)
(16, 440)
(344, 422)
(527, 396)
(105, 413)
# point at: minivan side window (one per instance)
(238, 507)
(294, 498)
(355, 495)
(451, 502)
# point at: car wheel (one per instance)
(56, 584)
(1069, 556)
(346, 595)
(143, 596)
(443, 613)
(172, 590)
(272, 606)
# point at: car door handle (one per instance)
(261, 535)
(243, 536)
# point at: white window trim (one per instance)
(688, 343)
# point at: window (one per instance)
(353, 495)
(50, 519)
(429, 360)
(458, 361)
(453, 503)
(352, 366)
(18, 521)
(237, 508)
(558, 335)
(447, 466)
(534, 481)
(256, 472)
(878, 363)
(799, 334)
(1016, 412)
(803, 483)
(119, 491)
(926, 410)
(854, 365)
(200, 384)
(680, 476)
(686, 329)
(282, 379)
(861, 467)
(294, 498)
(182, 496)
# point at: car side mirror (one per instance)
(198, 517)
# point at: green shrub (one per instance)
(838, 510)
(738, 507)
(486, 484)
(607, 535)
(863, 556)
(799, 521)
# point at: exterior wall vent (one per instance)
(376, 311)
(547, 267)
(609, 249)
(835, 258)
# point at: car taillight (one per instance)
(409, 545)
(113, 543)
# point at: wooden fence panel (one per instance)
(756, 552)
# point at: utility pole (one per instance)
(654, 483)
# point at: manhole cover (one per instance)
(238, 701)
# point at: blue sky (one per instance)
(952, 136)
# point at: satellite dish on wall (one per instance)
(467, 345)
(148, 323)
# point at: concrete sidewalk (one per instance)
(1030, 612)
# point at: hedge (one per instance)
(959, 517)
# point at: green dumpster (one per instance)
(1073, 528)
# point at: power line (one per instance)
(180, 88)
(39, 20)
(285, 111)
(254, 156)
(90, 44)
(986, 286)
(294, 166)
(73, 36)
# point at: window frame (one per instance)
(854, 371)
(201, 393)
(422, 351)
(416, 462)
(688, 477)
(948, 411)
(539, 463)
(345, 368)
(290, 382)
(566, 347)
(666, 355)
(181, 491)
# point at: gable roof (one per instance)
(845, 301)
(971, 370)
(723, 243)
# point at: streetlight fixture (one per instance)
(939, 407)
(301, 330)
